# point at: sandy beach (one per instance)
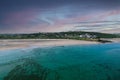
(26, 43)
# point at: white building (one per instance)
(87, 36)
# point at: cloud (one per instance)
(58, 15)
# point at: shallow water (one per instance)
(85, 62)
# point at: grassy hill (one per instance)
(58, 35)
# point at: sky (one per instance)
(32, 16)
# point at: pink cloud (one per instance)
(106, 14)
(19, 17)
(73, 20)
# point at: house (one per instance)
(88, 36)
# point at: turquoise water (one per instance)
(85, 62)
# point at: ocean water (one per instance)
(78, 62)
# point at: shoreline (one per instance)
(9, 44)
(114, 40)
